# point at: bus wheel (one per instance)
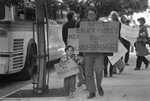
(29, 67)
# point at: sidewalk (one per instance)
(130, 85)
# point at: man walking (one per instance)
(69, 24)
(93, 62)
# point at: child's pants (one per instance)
(69, 83)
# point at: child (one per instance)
(69, 82)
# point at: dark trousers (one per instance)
(127, 45)
(139, 61)
(105, 66)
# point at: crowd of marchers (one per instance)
(97, 62)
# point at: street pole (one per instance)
(41, 81)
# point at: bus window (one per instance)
(2, 11)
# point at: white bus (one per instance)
(18, 46)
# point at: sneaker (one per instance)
(91, 95)
(136, 68)
(147, 65)
(101, 91)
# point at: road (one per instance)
(8, 85)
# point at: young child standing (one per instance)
(70, 82)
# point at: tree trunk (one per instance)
(41, 83)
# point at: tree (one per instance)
(41, 14)
(12, 2)
(104, 7)
(71, 4)
(131, 6)
(52, 7)
(121, 6)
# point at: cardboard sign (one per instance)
(116, 56)
(129, 33)
(98, 36)
(73, 38)
(66, 68)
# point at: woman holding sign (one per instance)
(93, 62)
(119, 64)
(125, 42)
(141, 50)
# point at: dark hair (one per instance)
(82, 12)
(122, 19)
(69, 46)
(90, 9)
(70, 15)
(128, 21)
(142, 19)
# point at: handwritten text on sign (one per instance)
(66, 68)
(73, 38)
(98, 36)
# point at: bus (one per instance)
(18, 42)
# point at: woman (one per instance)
(125, 42)
(115, 17)
(141, 50)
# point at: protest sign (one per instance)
(116, 56)
(98, 36)
(66, 68)
(129, 33)
(54, 36)
(73, 39)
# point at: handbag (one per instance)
(143, 38)
(147, 40)
(120, 65)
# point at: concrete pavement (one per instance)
(130, 85)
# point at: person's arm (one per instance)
(79, 59)
(64, 58)
(120, 30)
